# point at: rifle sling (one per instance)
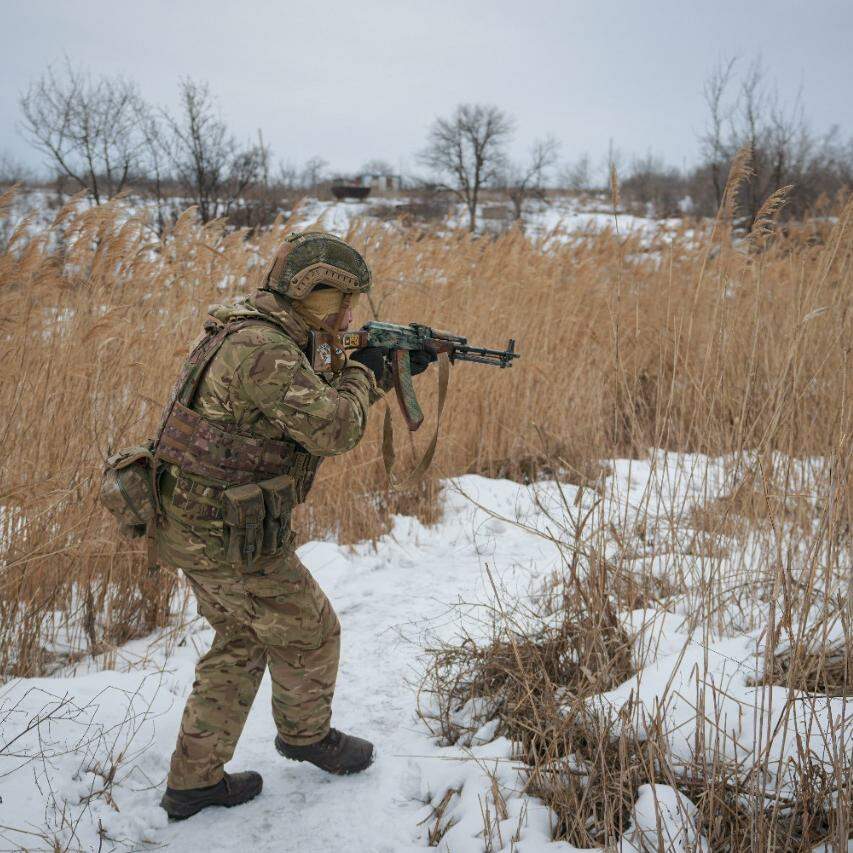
(389, 457)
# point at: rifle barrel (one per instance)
(479, 359)
(482, 355)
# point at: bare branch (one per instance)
(87, 129)
(523, 182)
(466, 151)
(206, 158)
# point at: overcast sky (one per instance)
(353, 81)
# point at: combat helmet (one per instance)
(308, 260)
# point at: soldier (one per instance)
(247, 426)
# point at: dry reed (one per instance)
(770, 550)
(708, 347)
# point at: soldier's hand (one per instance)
(372, 358)
(421, 359)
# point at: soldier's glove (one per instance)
(421, 359)
(373, 358)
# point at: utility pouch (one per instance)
(128, 489)
(243, 514)
(279, 500)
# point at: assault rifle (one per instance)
(328, 350)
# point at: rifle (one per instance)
(327, 350)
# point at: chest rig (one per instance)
(217, 451)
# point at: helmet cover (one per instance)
(307, 260)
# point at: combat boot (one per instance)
(336, 753)
(232, 790)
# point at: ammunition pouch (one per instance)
(279, 500)
(243, 513)
(128, 489)
(257, 519)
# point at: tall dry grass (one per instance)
(760, 545)
(700, 343)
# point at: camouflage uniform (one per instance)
(273, 613)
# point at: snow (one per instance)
(745, 724)
(86, 752)
(389, 598)
(662, 819)
(338, 217)
(560, 218)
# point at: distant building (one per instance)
(381, 183)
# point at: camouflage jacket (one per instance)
(260, 380)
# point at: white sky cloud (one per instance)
(354, 81)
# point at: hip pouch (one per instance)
(279, 500)
(243, 513)
(128, 489)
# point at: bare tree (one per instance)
(782, 146)
(527, 181)
(466, 151)
(830, 168)
(313, 172)
(658, 189)
(754, 117)
(87, 129)
(154, 161)
(287, 177)
(377, 166)
(205, 157)
(577, 176)
(713, 141)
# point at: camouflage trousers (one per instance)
(276, 617)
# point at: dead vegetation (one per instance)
(762, 547)
(697, 345)
(534, 670)
(703, 345)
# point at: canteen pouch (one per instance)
(128, 489)
(243, 514)
(279, 500)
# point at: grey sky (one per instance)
(353, 81)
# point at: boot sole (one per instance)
(329, 769)
(183, 814)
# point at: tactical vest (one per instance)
(217, 451)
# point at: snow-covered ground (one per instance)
(83, 755)
(560, 218)
(121, 723)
